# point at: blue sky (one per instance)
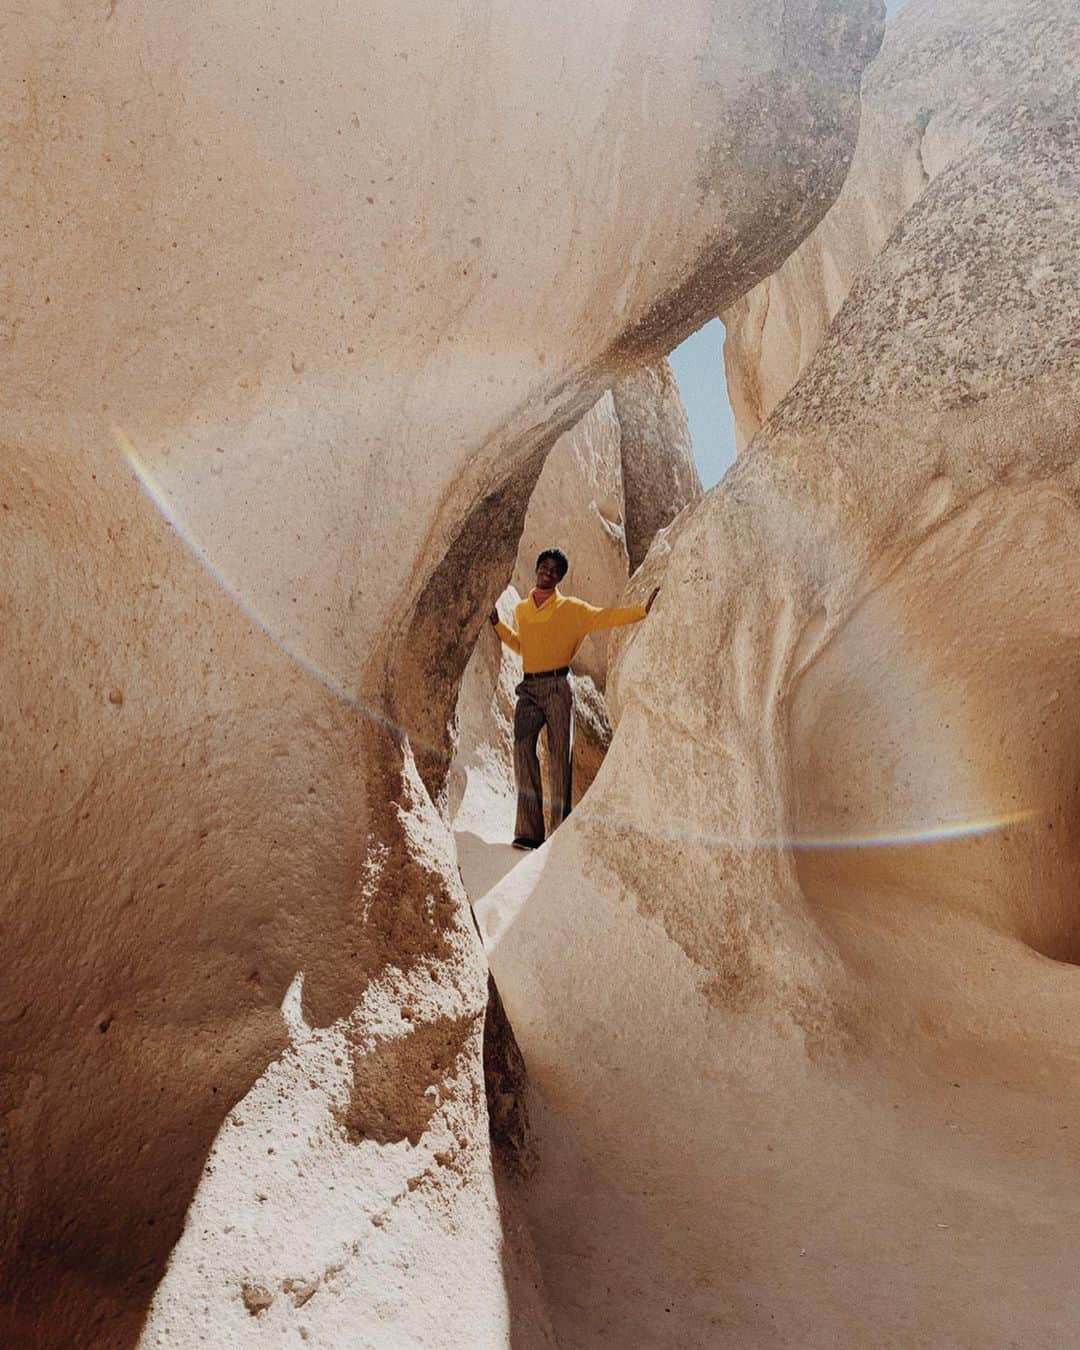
(699, 369)
(698, 364)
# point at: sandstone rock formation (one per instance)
(298, 299)
(658, 471)
(480, 795)
(796, 987)
(924, 103)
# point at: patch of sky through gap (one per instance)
(698, 364)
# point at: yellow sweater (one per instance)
(548, 637)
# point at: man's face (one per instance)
(547, 575)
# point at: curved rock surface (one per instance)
(927, 101)
(796, 988)
(298, 300)
(659, 475)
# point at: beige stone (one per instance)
(926, 101)
(796, 987)
(658, 471)
(297, 300)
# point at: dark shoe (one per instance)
(521, 842)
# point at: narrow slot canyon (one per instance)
(618, 478)
(324, 324)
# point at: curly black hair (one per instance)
(558, 557)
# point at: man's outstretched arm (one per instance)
(595, 618)
(506, 634)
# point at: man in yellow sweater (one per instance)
(548, 629)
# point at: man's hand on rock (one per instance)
(648, 603)
(493, 617)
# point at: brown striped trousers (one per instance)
(545, 700)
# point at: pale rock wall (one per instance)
(796, 988)
(924, 101)
(480, 797)
(297, 300)
(659, 475)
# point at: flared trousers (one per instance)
(547, 700)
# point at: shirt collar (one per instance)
(538, 609)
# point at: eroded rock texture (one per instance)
(658, 470)
(926, 102)
(796, 986)
(298, 299)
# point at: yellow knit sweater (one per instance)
(547, 637)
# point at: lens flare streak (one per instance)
(167, 507)
(929, 834)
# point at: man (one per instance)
(549, 628)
